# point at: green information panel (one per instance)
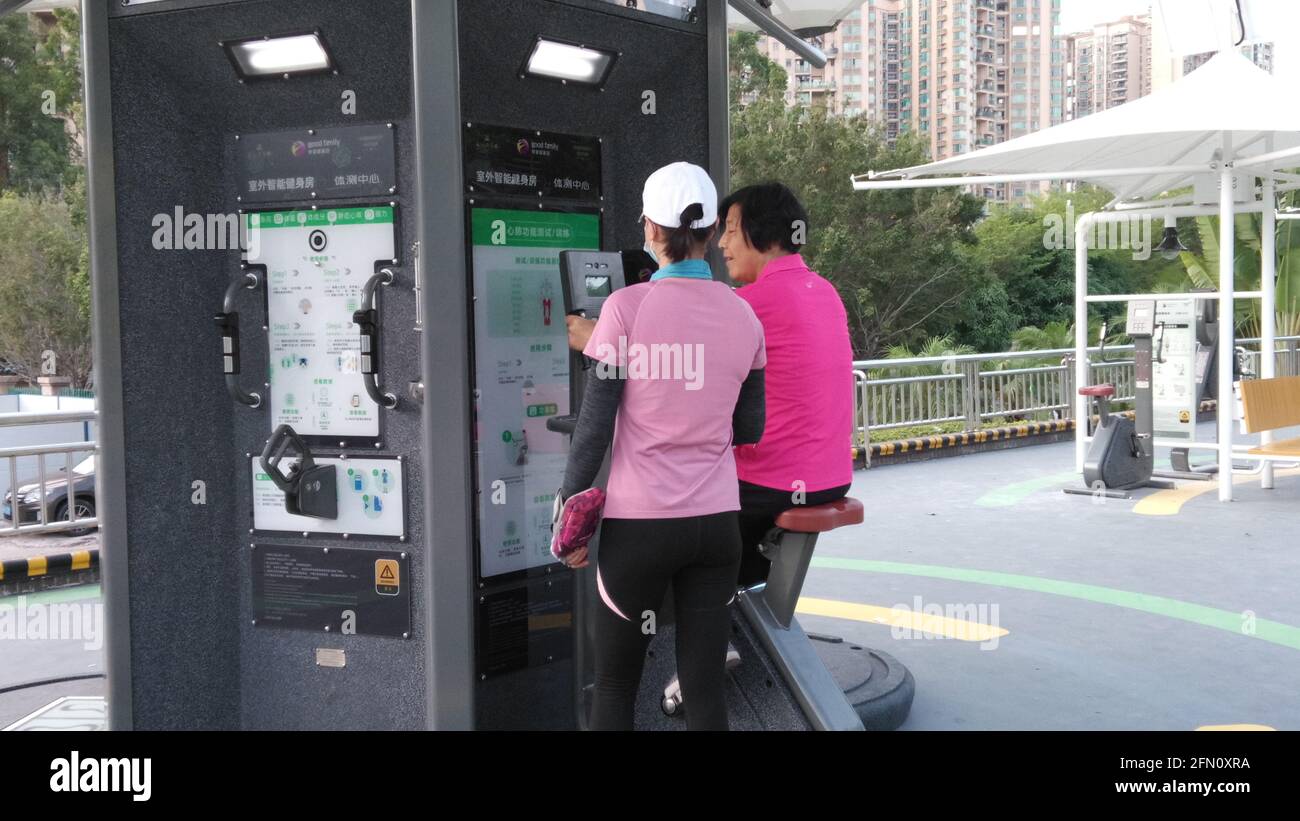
(522, 377)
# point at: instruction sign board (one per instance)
(317, 262)
(372, 499)
(522, 161)
(316, 164)
(522, 377)
(345, 590)
(1174, 394)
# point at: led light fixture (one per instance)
(286, 56)
(569, 63)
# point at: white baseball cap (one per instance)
(672, 189)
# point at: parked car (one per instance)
(56, 497)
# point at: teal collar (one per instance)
(687, 269)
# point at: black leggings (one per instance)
(638, 559)
(759, 507)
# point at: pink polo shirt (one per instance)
(687, 345)
(809, 432)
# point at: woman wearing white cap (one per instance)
(679, 365)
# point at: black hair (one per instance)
(683, 239)
(770, 214)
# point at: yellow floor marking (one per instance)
(1236, 727)
(1170, 502)
(36, 566)
(901, 617)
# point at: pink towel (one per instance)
(574, 524)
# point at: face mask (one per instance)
(652, 253)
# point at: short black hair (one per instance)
(770, 214)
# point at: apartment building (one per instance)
(985, 71)
(862, 76)
(961, 73)
(1107, 66)
(1261, 54)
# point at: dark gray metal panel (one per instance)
(127, 8)
(197, 660)
(110, 473)
(497, 38)
(669, 58)
(177, 428)
(448, 499)
(715, 19)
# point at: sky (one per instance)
(1079, 15)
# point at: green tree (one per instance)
(40, 108)
(1026, 255)
(1050, 336)
(752, 76)
(1200, 267)
(42, 257)
(890, 253)
(931, 348)
(987, 317)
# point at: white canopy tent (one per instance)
(1226, 125)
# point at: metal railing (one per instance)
(79, 393)
(13, 500)
(1012, 385)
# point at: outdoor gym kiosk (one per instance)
(330, 508)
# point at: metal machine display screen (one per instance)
(598, 286)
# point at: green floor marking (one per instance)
(1270, 631)
(62, 594)
(1008, 495)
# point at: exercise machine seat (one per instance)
(1098, 390)
(821, 518)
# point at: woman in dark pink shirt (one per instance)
(804, 456)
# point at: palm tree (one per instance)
(1039, 389)
(1203, 270)
(925, 400)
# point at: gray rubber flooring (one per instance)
(1115, 619)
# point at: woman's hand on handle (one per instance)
(580, 329)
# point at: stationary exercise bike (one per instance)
(1122, 454)
(838, 685)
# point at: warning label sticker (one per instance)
(388, 577)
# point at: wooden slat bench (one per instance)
(1270, 404)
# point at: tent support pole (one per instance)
(1227, 322)
(1082, 371)
(874, 184)
(1268, 157)
(1267, 306)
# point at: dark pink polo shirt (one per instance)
(809, 432)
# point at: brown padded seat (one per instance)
(1098, 390)
(821, 518)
